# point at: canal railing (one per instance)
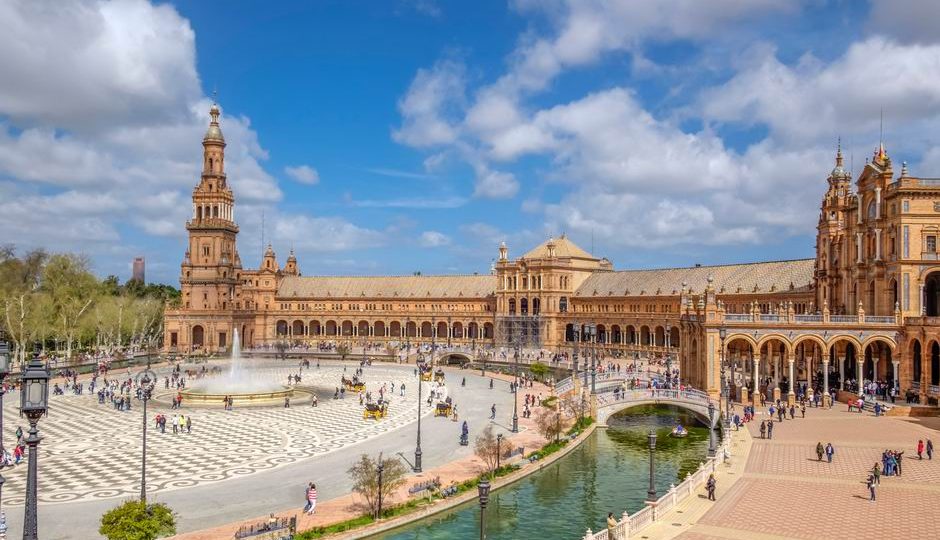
(630, 525)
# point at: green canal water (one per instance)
(609, 472)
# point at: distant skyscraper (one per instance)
(138, 273)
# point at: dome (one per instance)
(214, 133)
(839, 172)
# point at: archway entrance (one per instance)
(199, 337)
(932, 295)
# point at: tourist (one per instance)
(611, 525)
(175, 425)
(870, 482)
(313, 401)
(829, 452)
(819, 451)
(311, 496)
(710, 487)
(929, 449)
(897, 457)
(770, 429)
(876, 472)
(920, 449)
(803, 410)
(763, 429)
(189, 425)
(493, 412)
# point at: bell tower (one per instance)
(208, 273)
(831, 239)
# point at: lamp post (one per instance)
(590, 331)
(4, 370)
(651, 492)
(725, 384)
(515, 391)
(417, 467)
(483, 492)
(381, 469)
(668, 356)
(499, 440)
(711, 428)
(574, 356)
(145, 382)
(34, 403)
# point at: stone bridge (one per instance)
(694, 401)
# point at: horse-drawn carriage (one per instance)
(375, 410)
(425, 371)
(439, 375)
(354, 384)
(444, 408)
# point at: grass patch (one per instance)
(580, 425)
(550, 401)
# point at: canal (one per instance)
(609, 472)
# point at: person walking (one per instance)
(871, 487)
(829, 452)
(311, 496)
(189, 425)
(175, 425)
(929, 450)
(876, 473)
(763, 429)
(920, 449)
(819, 451)
(493, 412)
(770, 429)
(710, 487)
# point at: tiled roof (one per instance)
(733, 278)
(470, 286)
(563, 248)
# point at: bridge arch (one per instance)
(454, 358)
(697, 406)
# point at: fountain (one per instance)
(244, 387)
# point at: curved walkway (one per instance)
(82, 449)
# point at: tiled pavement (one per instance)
(91, 451)
(786, 493)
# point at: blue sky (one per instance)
(399, 136)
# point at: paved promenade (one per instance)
(782, 491)
(258, 459)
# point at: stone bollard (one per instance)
(589, 535)
(672, 491)
(625, 519)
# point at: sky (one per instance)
(389, 137)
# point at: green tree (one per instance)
(136, 520)
(539, 370)
(72, 290)
(365, 479)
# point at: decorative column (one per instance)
(841, 373)
(859, 378)
(858, 247)
(877, 246)
(776, 379)
(791, 395)
(827, 400)
(809, 378)
(756, 382)
(896, 364)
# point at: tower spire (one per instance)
(839, 152)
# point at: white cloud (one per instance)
(303, 174)
(101, 102)
(495, 184)
(428, 108)
(813, 99)
(908, 21)
(325, 233)
(433, 239)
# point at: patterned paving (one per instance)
(786, 493)
(92, 451)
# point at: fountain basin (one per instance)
(269, 398)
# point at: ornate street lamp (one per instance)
(145, 381)
(34, 403)
(499, 441)
(4, 370)
(725, 384)
(668, 356)
(381, 469)
(590, 331)
(574, 356)
(515, 391)
(711, 428)
(651, 492)
(483, 492)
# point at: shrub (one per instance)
(136, 520)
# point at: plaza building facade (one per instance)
(867, 306)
